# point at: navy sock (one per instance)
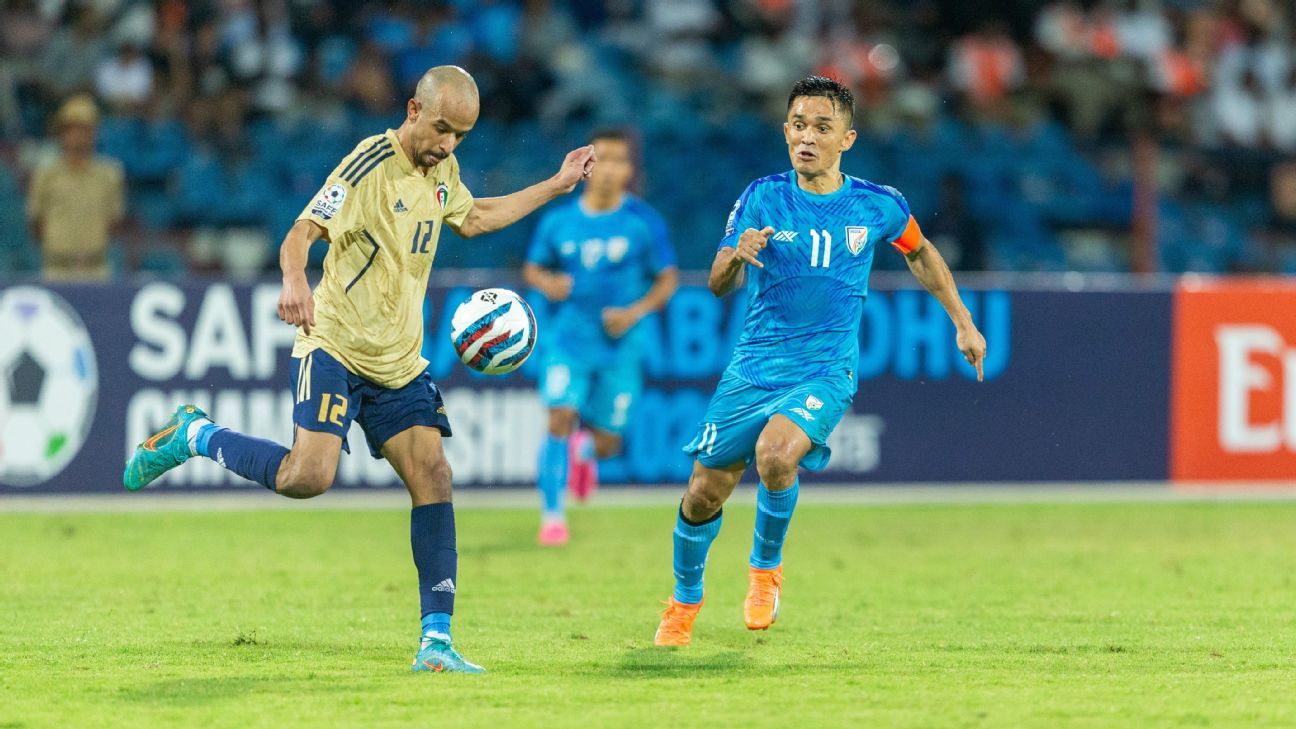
(552, 475)
(773, 514)
(692, 542)
(432, 539)
(255, 459)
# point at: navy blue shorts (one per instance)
(328, 397)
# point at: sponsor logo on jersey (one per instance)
(399, 207)
(329, 202)
(786, 236)
(443, 194)
(813, 403)
(803, 413)
(856, 239)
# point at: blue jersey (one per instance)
(804, 307)
(613, 258)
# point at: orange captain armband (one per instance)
(910, 240)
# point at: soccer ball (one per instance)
(493, 331)
(49, 385)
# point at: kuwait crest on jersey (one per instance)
(856, 239)
(442, 194)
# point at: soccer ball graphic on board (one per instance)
(49, 385)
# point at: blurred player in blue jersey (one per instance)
(606, 261)
(802, 242)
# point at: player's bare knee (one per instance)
(305, 482)
(699, 506)
(441, 474)
(777, 461)
(703, 499)
(434, 483)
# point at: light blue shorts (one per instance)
(739, 411)
(604, 396)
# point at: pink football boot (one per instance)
(554, 533)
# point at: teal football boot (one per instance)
(437, 653)
(163, 451)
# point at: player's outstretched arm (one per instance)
(728, 269)
(490, 214)
(929, 267)
(296, 303)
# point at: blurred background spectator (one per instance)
(76, 198)
(1008, 124)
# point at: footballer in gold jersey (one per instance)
(356, 356)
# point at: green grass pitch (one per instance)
(1139, 615)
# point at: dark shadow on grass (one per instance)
(673, 662)
(196, 691)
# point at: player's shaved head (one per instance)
(441, 113)
(452, 81)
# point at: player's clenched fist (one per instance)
(296, 304)
(575, 167)
(751, 243)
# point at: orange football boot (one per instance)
(677, 623)
(764, 587)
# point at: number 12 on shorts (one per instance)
(335, 413)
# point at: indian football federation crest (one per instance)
(856, 239)
(443, 194)
(813, 403)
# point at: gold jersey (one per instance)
(383, 220)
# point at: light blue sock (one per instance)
(773, 513)
(692, 542)
(436, 623)
(552, 475)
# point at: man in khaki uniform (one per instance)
(77, 199)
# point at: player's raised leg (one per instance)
(582, 464)
(589, 446)
(696, 527)
(303, 472)
(551, 471)
(322, 413)
(779, 450)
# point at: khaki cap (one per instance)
(79, 109)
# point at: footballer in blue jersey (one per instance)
(605, 261)
(802, 243)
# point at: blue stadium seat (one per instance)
(161, 261)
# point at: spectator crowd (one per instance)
(1008, 124)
